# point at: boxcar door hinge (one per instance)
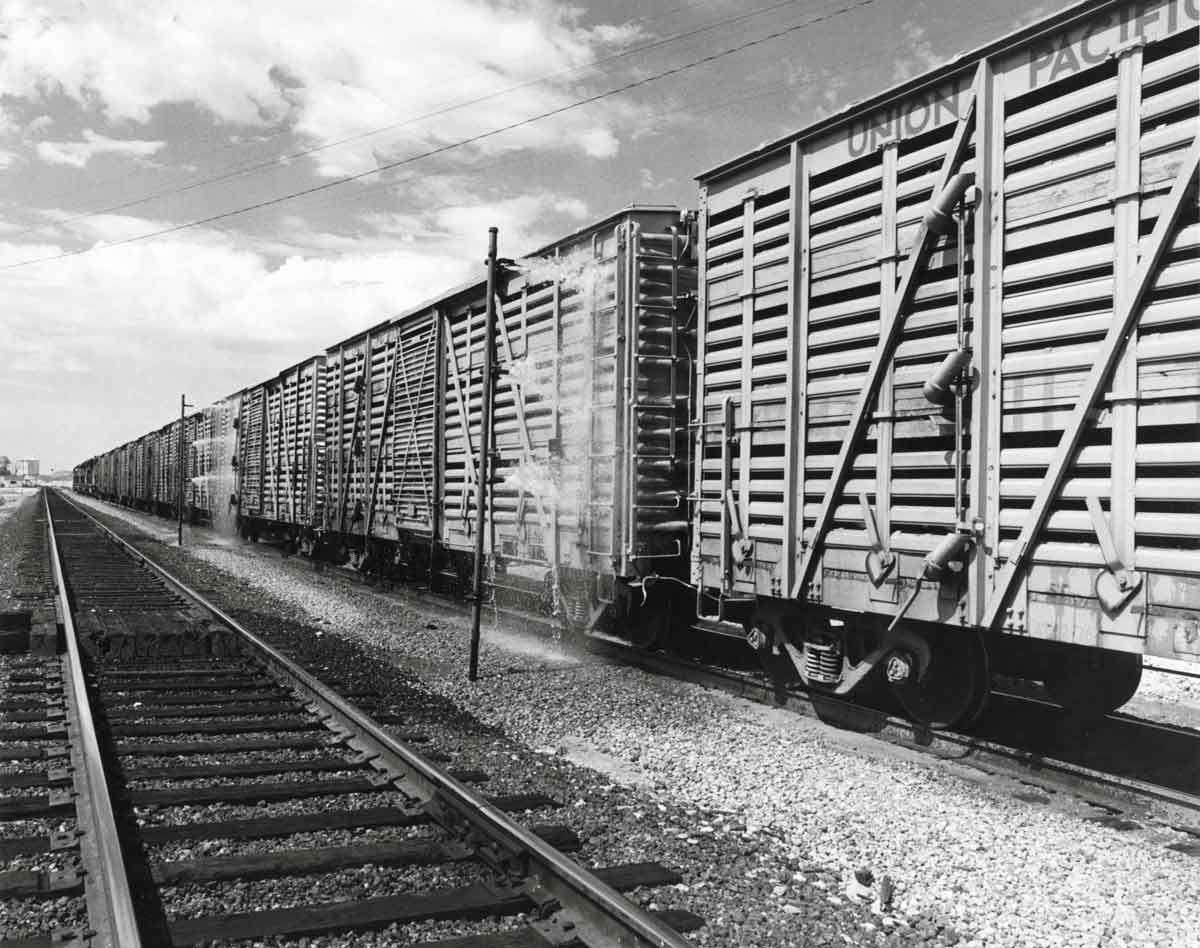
(1115, 585)
(880, 559)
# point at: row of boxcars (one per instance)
(919, 402)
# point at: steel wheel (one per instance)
(1094, 681)
(955, 688)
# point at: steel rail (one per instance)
(1164, 670)
(596, 913)
(111, 913)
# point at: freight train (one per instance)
(912, 399)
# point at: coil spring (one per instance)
(578, 607)
(823, 661)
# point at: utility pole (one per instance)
(485, 449)
(184, 405)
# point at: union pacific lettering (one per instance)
(1044, 61)
(1075, 50)
(904, 119)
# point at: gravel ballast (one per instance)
(29, 917)
(767, 814)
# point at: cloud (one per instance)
(208, 311)
(323, 78)
(599, 142)
(572, 207)
(651, 182)
(78, 154)
(920, 55)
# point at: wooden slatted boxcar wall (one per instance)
(166, 493)
(382, 464)
(1081, 136)
(281, 451)
(158, 440)
(294, 444)
(590, 415)
(250, 454)
(144, 482)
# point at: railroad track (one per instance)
(1117, 766)
(1026, 734)
(163, 707)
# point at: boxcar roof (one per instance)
(904, 89)
(474, 286)
(607, 219)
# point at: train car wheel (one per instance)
(1094, 681)
(955, 687)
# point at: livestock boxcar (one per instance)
(166, 472)
(949, 370)
(384, 484)
(590, 471)
(188, 441)
(106, 475)
(587, 493)
(281, 453)
(83, 477)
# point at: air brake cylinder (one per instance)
(939, 387)
(949, 552)
(939, 215)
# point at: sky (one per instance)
(120, 119)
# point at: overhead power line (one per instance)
(270, 136)
(242, 170)
(451, 146)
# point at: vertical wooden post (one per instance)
(796, 410)
(183, 406)
(485, 451)
(1126, 221)
(310, 504)
(622, 392)
(742, 422)
(986, 313)
(335, 489)
(437, 510)
(889, 251)
(627, 316)
(699, 415)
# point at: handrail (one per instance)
(118, 927)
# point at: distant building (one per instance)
(27, 467)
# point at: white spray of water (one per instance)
(216, 481)
(577, 270)
(548, 374)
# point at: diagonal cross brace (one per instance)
(412, 442)
(518, 392)
(348, 469)
(1122, 325)
(389, 398)
(460, 398)
(889, 338)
